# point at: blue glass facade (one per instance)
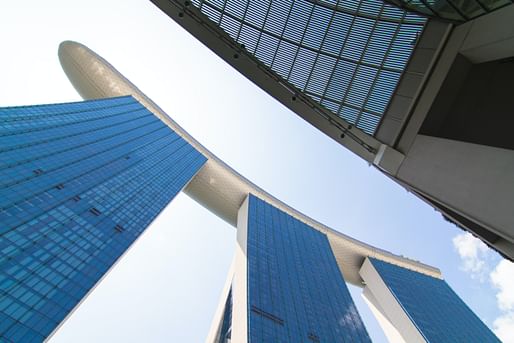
(296, 292)
(434, 308)
(79, 182)
(347, 56)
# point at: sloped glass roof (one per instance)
(346, 55)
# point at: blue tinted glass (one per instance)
(438, 313)
(296, 292)
(79, 182)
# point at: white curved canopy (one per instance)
(216, 186)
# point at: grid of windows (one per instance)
(296, 292)
(79, 182)
(346, 55)
(434, 308)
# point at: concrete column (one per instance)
(240, 282)
(394, 321)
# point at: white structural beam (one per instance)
(389, 313)
(217, 321)
(240, 283)
(392, 333)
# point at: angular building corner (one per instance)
(418, 89)
(81, 181)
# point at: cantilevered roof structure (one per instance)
(346, 56)
(217, 186)
(335, 63)
(405, 85)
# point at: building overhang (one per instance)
(217, 186)
(216, 39)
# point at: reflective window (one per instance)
(79, 182)
(296, 292)
(434, 308)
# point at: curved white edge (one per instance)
(217, 186)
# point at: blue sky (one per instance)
(167, 286)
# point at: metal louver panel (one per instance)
(346, 55)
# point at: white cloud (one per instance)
(478, 261)
(473, 253)
(502, 277)
(504, 327)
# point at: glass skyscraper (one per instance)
(286, 286)
(290, 288)
(434, 308)
(296, 292)
(79, 182)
